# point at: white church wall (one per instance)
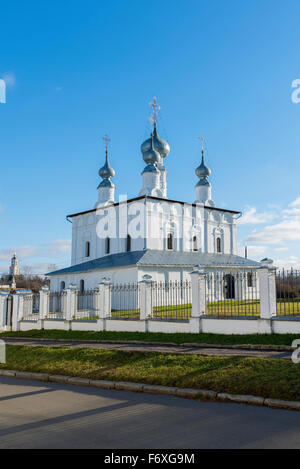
(91, 279)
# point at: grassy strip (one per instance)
(178, 338)
(238, 375)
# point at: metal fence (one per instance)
(125, 300)
(30, 303)
(56, 305)
(171, 300)
(288, 292)
(86, 306)
(230, 294)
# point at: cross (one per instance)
(202, 138)
(156, 108)
(106, 140)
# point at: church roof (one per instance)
(155, 258)
(151, 197)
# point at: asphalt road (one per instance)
(175, 349)
(50, 415)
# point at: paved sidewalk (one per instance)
(174, 349)
(51, 415)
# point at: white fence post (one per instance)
(69, 302)
(3, 298)
(198, 292)
(103, 298)
(17, 310)
(267, 289)
(145, 297)
(44, 302)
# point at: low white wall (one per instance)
(168, 327)
(128, 326)
(53, 324)
(282, 326)
(235, 326)
(87, 325)
(205, 325)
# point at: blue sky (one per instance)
(76, 70)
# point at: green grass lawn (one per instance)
(257, 376)
(178, 338)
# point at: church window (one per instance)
(128, 243)
(195, 244)
(219, 245)
(62, 286)
(81, 286)
(87, 249)
(107, 245)
(170, 241)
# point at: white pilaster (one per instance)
(267, 289)
(145, 297)
(44, 302)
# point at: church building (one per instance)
(151, 234)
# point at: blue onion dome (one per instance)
(160, 145)
(106, 172)
(151, 156)
(203, 172)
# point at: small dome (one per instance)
(106, 171)
(106, 183)
(150, 168)
(203, 172)
(151, 156)
(160, 145)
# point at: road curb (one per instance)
(270, 348)
(187, 393)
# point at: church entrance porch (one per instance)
(229, 287)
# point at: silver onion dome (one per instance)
(151, 155)
(203, 171)
(160, 145)
(150, 168)
(106, 172)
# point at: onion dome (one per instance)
(151, 155)
(160, 145)
(203, 172)
(106, 172)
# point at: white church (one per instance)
(151, 234)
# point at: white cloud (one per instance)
(288, 263)
(52, 249)
(9, 78)
(253, 217)
(287, 230)
(253, 251)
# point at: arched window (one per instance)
(87, 249)
(81, 286)
(170, 241)
(195, 244)
(62, 285)
(219, 245)
(128, 243)
(107, 245)
(250, 279)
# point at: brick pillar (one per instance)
(103, 298)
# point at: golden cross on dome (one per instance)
(156, 108)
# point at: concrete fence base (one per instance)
(239, 326)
